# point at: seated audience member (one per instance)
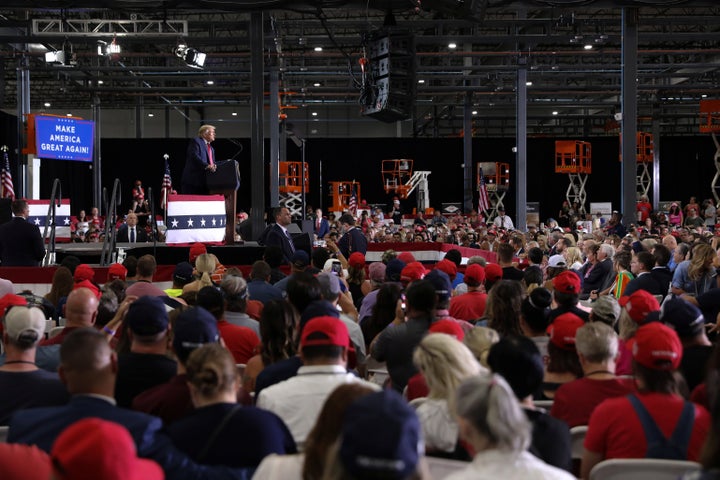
(505, 260)
(259, 287)
(494, 425)
(444, 363)
(235, 293)
(381, 439)
(387, 310)
(171, 401)
(327, 429)
(455, 256)
(566, 293)
(518, 360)
(241, 341)
(356, 277)
(324, 348)
(637, 309)
(277, 327)
(630, 427)
(88, 369)
(273, 256)
(443, 292)
(534, 314)
(479, 340)
(147, 363)
(597, 268)
(146, 267)
(597, 349)
(470, 306)
(395, 345)
(204, 267)
(503, 306)
(298, 263)
(697, 275)
(493, 274)
(16, 458)
(689, 324)
(392, 275)
(22, 383)
(62, 285)
(563, 365)
(80, 312)
(642, 267)
(219, 431)
(95, 448)
(623, 276)
(182, 275)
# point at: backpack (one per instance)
(673, 448)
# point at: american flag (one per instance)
(6, 181)
(166, 188)
(484, 200)
(352, 206)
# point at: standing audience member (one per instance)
(146, 267)
(353, 239)
(597, 348)
(219, 431)
(494, 425)
(627, 427)
(470, 306)
(278, 235)
(22, 383)
(21, 244)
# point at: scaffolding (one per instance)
(399, 179)
(497, 183)
(340, 193)
(574, 158)
(291, 189)
(644, 156)
(710, 123)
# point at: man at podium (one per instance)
(200, 158)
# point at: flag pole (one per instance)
(165, 191)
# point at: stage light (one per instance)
(111, 50)
(55, 57)
(192, 57)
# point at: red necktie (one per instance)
(210, 158)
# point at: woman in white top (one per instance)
(444, 362)
(310, 464)
(492, 422)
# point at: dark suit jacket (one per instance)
(276, 236)
(324, 227)
(655, 283)
(41, 426)
(353, 241)
(196, 161)
(123, 234)
(595, 279)
(21, 244)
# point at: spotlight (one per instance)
(111, 50)
(192, 57)
(55, 57)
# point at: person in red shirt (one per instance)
(470, 306)
(597, 349)
(615, 429)
(644, 208)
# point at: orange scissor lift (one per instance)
(645, 155)
(291, 189)
(574, 158)
(710, 123)
(400, 179)
(497, 183)
(340, 193)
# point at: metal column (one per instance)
(467, 154)
(521, 145)
(629, 113)
(257, 162)
(656, 165)
(275, 126)
(97, 158)
(23, 108)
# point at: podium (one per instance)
(225, 180)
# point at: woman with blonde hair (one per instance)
(697, 275)
(493, 423)
(204, 267)
(219, 431)
(479, 340)
(444, 362)
(573, 258)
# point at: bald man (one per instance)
(130, 231)
(80, 311)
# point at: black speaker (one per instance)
(5, 210)
(303, 241)
(391, 94)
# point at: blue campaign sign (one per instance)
(64, 138)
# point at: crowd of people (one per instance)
(326, 365)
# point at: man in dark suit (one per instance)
(353, 240)
(199, 159)
(278, 235)
(130, 232)
(21, 244)
(647, 277)
(322, 226)
(88, 367)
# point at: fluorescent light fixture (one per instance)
(100, 82)
(555, 112)
(210, 82)
(151, 114)
(314, 114)
(47, 104)
(234, 114)
(474, 112)
(421, 81)
(316, 84)
(588, 46)
(318, 49)
(452, 45)
(528, 84)
(68, 114)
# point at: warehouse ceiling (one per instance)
(572, 55)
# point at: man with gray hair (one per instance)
(200, 158)
(235, 292)
(597, 349)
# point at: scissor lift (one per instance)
(290, 189)
(645, 155)
(340, 193)
(574, 158)
(710, 123)
(497, 183)
(399, 179)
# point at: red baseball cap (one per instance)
(448, 267)
(117, 272)
(11, 300)
(83, 272)
(656, 346)
(196, 250)
(562, 330)
(406, 257)
(639, 304)
(448, 327)
(90, 286)
(493, 272)
(357, 260)
(325, 330)
(92, 448)
(475, 273)
(412, 271)
(567, 282)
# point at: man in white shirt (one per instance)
(503, 221)
(324, 345)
